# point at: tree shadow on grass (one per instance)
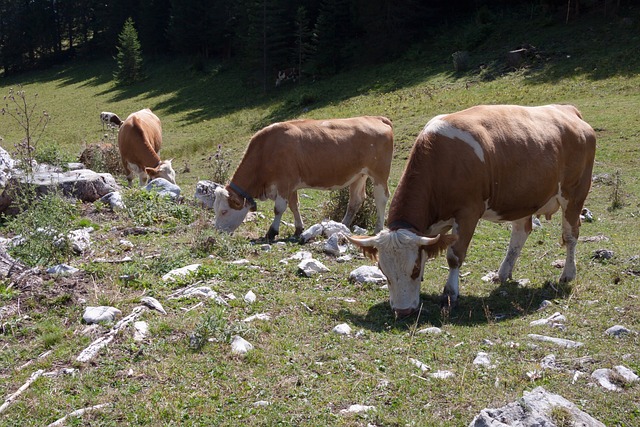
(507, 301)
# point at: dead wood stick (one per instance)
(77, 413)
(25, 386)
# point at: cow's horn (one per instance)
(426, 241)
(362, 241)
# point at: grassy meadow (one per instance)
(306, 372)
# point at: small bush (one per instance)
(336, 207)
(102, 157)
(220, 166)
(43, 226)
(51, 154)
(147, 208)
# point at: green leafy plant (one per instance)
(146, 208)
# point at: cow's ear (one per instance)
(441, 245)
(152, 172)
(235, 201)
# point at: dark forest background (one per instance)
(317, 37)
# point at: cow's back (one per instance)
(140, 138)
(322, 153)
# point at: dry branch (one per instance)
(77, 413)
(21, 390)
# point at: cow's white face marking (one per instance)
(446, 129)
(227, 218)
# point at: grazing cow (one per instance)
(139, 141)
(499, 163)
(110, 119)
(287, 75)
(321, 154)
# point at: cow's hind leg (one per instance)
(294, 205)
(520, 230)
(356, 197)
(570, 233)
(278, 209)
(381, 196)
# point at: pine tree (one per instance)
(129, 55)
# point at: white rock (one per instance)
(141, 330)
(260, 403)
(431, 330)
(554, 318)
(153, 303)
(80, 239)
(544, 304)
(357, 409)
(626, 373)
(241, 262)
(344, 258)
(126, 244)
(310, 233)
(603, 377)
(491, 276)
(482, 359)
(548, 362)
(250, 297)
(181, 272)
(62, 270)
(100, 314)
(342, 329)
(367, 274)
(423, 367)
(617, 331)
(240, 346)
(259, 316)
(329, 228)
(359, 230)
(335, 245)
(443, 375)
(311, 267)
(198, 292)
(558, 341)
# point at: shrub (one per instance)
(102, 157)
(336, 207)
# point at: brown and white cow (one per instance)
(322, 154)
(139, 141)
(499, 163)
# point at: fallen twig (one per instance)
(77, 413)
(9, 400)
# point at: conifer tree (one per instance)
(129, 55)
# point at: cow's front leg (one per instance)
(381, 196)
(294, 205)
(520, 230)
(278, 209)
(456, 255)
(357, 193)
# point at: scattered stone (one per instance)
(491, 276)
(153, 304)
(327, 228)
(205, 193)
(602, 254)
(431, 330)
(551, 320)
(613, 379)
(357, 409)
(265, 247)
(344, 258)
(198, 292)
(114, 200)
(482, 359)
(241, 262)
(549, 362)
(125, 244)
(617, 331)
(80, 240)
(100, 314)
(261, 403)
(536, 408)
(311, 233)
(342, 329)
(559, 263)
(333, 244)
(164, 188)
(240, 346)
(535, 223)
(442, 375)
(141, 330)
(180, 273)
(423, 367)
(544, 304)
(311, 267)
(259, 316)
(359, 230)
(250, 297)
(586, 215)
(594, 239)
(557, 341)
(298, 256)
(62, 270)
(367, 274)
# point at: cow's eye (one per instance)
(224, 212)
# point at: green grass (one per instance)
(305, 371)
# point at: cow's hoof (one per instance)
(271, 235)
(448, 302)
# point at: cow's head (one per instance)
(230, 209)
(401, 255)
(163, 170)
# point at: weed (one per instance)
(617, 195)
(22, 110)
(212, 325)
(146, 208)
(561, 416)
(220, 166)
(102, 156)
